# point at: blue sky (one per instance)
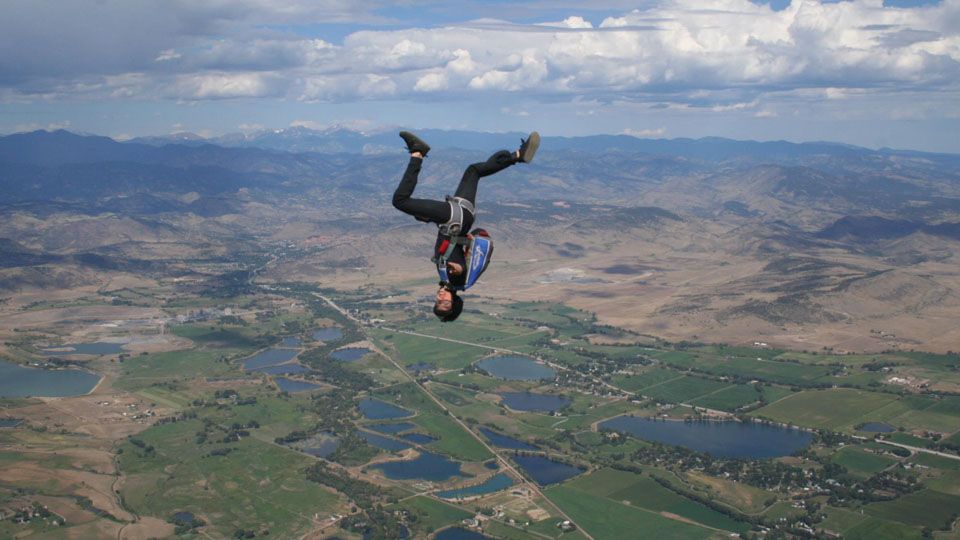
(871, 73)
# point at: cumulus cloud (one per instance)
(718, 55)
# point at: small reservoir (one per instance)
(294, 386)
(23, 381)
(516, 368)
(546, 471)
(876, 427)
(527, 401)
(502, 441)
(427, 466)
(269, 357)
(742, 440)
(492, 484)
(381, 442)
(327, 334)
(374, 409)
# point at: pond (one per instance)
(751, 440)
(502, 441)
(876, 427)
(290, 342)
(516, 368)
(418, 438)
(321, 445)
(459, 533)
(350, 354)
(546, 471)
(294, 386)
(494, 483)
(374, 409)
(381, 442)
(527, 401)
(23, 381)
(96, 348)
(9, 422)
(427, 466)
(395, 427)
(269, 357)
(183, 517)
(327, 334)
(282, 369)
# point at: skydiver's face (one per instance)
(444, 299)
(454, 269)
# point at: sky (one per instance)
(864, 72)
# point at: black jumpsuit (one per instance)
(439, 211)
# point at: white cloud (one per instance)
(221, 86)
(645, 133)
(665, 52)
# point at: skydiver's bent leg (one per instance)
(422, 209)
(471, 177)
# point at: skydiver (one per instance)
(458, 269)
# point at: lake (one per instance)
(292, 386)
(494, 483)
(516, 368)
(23, 381)
(282, 369)
(751, 440)
(395, 427)
(351, 354)
(381, 442)
(546, 471)
(418, 438)
(96, 348)
(9, 422)
(876, 427)
(327, 334)
(269, 357)
(427, 466)
(291, 342)
(527, 401)
(374, 409)
(502, 441)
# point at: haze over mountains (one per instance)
(807, 245)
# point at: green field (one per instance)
(603, 518)
(839, 409)
(636, 383)
(258, 485)
(432, 514)
(923, 508)
(861, 463)
(730, 398)
(643, 492)
(881, 529)
(683, 389)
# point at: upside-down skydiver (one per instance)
(460, 257)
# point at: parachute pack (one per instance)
(478, 249)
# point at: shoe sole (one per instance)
(533, 143)
(421, 146)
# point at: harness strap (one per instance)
(454, 225)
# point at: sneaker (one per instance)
(414, 143)
(528, 147)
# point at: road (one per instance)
(918, 449)
(504, 462)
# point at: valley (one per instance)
(686, 345)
